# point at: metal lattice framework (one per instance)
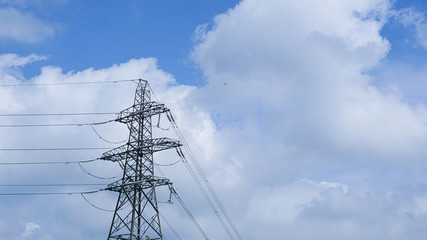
(136, 215)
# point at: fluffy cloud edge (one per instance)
(23, 27)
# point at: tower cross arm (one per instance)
(160, 144)
(151, 146)
(145, 183)
(144, 110)
(116, 154)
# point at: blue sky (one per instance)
(307, 114)
(404, 48)
(90, 34)
(95, 34)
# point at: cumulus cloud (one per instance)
(10, 64)
(289, 91)
(301, 67)
(289, 128)
(66, 217)
(23, 27)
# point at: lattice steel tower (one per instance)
(136, 215)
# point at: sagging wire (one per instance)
(168, 201)
(180, 154)
(158, 124)
(105, 140)
(158, 120)
(92, 175)
(93, 205)
(168, 165)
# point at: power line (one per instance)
(173, 192)
(205, 180)
(54, 149)
(49, 193)
(54, 124)
(66, 83)
(194, 176)
(103, 139)
(170, 226)
(167, 165)
(205, 194)
(55, 114)
(45, 163)
(95, 176)
(54, 185)
(93, 205)
(188, 212)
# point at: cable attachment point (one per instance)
(170, 117)
(180, 153)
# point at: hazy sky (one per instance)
(309, 117)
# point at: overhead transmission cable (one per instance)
(95, 176)
(54, 114)
(47, 162)
(205, 180)
(103, 139)
(54, 124)
(93, 205)
(199, 184)
(203, 176)
(167, 165)
(190, 215)
(61, 124)
(54, 149)
(170, 226)
(66, 83)
(188, 212)
(49, 193)
(53, 185)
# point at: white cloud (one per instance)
(23, 27)
(282, 205)
(10, 64)
(70, 217)
(411, 17)
(288, 98)
(29, 229)
(306, 210)
(290, 95)
(299, 69)
(12, 60)
(33, 231)
(11, 74)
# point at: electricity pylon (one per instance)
(136, 215)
